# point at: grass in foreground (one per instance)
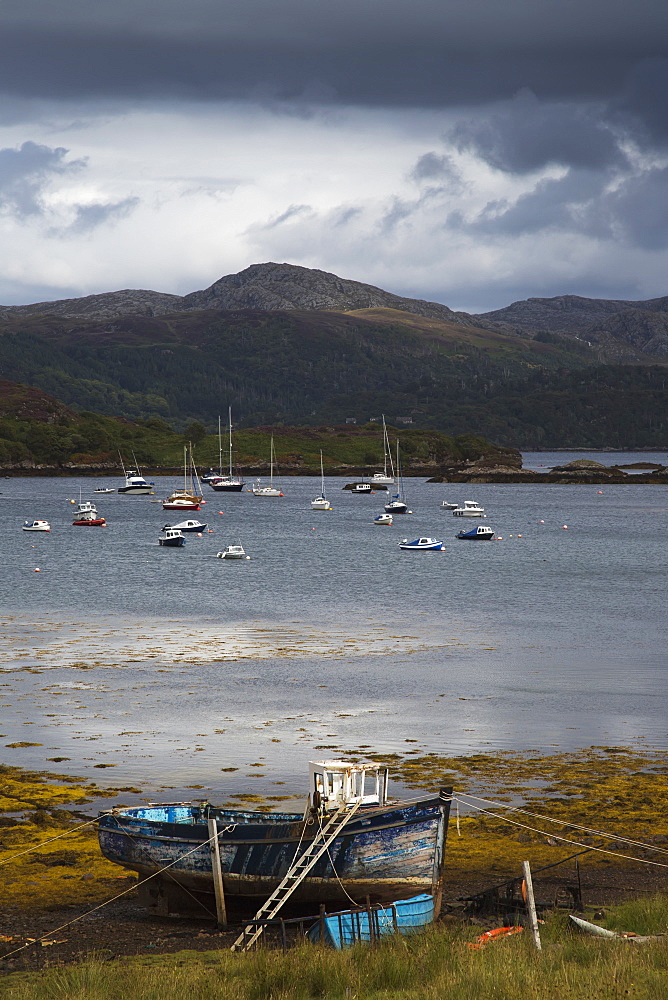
(435, 965)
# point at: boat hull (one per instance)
(387, 853)
(179, 506)
(132, 490)
(90, 522)
(172, 543)
(227, 487)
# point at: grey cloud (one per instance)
(640, 209)
(431, 167)
(525, 135)
(25, 172)
(291, 212)
(566, 203)
(89, 217)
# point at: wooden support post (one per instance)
(369, 917)
(284, 936)
(577, 869)
(531, 905)
(216, 868)
(322, 923)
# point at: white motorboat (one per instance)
(383, 519)
(190, 525)
(470, 508)
(135, 484)
(232, 552)
(422, 544)
(267, 491)
(225, 483)
(104, 489)
(321, 502)
(36, 525)
(446, 505)
(172, 538)
(86, 515)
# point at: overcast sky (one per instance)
(472, 152)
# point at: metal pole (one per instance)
(217, 871)
(531, 905)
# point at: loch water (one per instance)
(177, 670)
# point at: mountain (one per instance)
(260, 286)
(618, 330)
(612, 330)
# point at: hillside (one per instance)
(612, 330)
(616, 330)
(276, 367)
(37, 431)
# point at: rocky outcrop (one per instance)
(264, 287)
(108, 305)
(287, 286)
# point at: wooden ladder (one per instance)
(295, 875)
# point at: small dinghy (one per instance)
(383, 519)
(232, 552)
(446, 505)
(368, 924)
(172, 538)
(469, 509)
(36, 525)
(190, 525)
(422, 544)
(480, 534)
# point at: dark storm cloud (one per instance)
(372, 52)
(25, 172)
(525, 135)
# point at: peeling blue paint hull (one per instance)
(386, 853)
(342, 930)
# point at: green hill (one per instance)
(313, 368)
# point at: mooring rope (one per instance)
(566, 840)
(563, 822)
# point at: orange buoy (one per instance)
(37, 570)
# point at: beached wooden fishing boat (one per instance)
(386, 851)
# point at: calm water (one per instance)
(171, 664)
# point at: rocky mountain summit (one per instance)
(263, 287)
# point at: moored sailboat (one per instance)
(267, 491)
(189, 498)
(226, 483)
(321, 502)
(382, 478)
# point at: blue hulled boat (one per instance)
(344, 929)
(480, 534)
(386, 851)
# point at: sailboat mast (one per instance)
(220, 449)
(271, 461)
(229, 413)
(385, 448)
